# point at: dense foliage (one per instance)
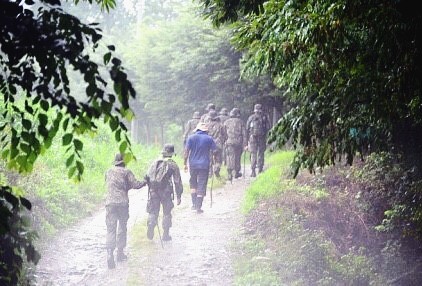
(40, 46)
(186, 64)
(351, 68)
(325, 229)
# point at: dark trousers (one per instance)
(198, 181)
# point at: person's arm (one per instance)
(134, 183)
(186, 157)
(248, 123)
(244, 137)
(177, 180)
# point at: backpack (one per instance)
(256, 126)
(158, 174)
(234, 131)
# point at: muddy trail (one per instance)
(199, 253)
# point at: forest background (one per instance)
(344, 75)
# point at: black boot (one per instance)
(199, 205)
(253, 174)
(150, 231)
(110, 259)
(217, 172)
(193, 196)
(121, 256)
(166, 235)
(238, 175)
(260, 170)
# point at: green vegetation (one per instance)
(324, 229)
(59, 201)
(267, 184)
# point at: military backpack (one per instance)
(257, 126)
(159, 174)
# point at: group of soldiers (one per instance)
(210, 140)
(233, 136)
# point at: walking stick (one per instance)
(244, 164)
(212, 180)
(159, 234)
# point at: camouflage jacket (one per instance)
(236, 132)
(223, 118)
(174, 180)
(205, 118)
(190, 127)
(119, 181)
(251, 124)
(218, 132)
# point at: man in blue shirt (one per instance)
(198, 152)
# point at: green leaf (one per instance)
(65, 123)
(67, 138)
(107, 58)
(114, 123)
(70, 160)
(123, 147)
(25, 148)
(44, 105)
(117, 135)
(26, 124)
(28, 108)
(43, 119)
(71, 172)
(78, 144)
(80, 167)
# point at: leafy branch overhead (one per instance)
(38, 48)
(352, 70)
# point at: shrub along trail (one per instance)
(199, 253)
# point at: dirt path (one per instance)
(199, 253)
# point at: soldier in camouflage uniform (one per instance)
(236, 142)
(119, 181)
(218, 132)
(206, 117)
(191, 126)
(223, 115)
(257, 128)
(164, 193)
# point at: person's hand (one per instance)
(185, 168)
(179, 200)
(146, 178)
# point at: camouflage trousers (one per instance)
(117, 216)
(257, 146)
(218, 160)
(153, 208)
(233, 156)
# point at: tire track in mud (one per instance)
(199, 253)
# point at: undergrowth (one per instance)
(58, 201)
(317, 230)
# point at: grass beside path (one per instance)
(270, 182)
(296, 232)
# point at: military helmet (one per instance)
(168, 150)
(235, 112)
(210, 106)
(213, 114)
(118, 159)
(223, 111)
(257, 108)
(196, 115)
